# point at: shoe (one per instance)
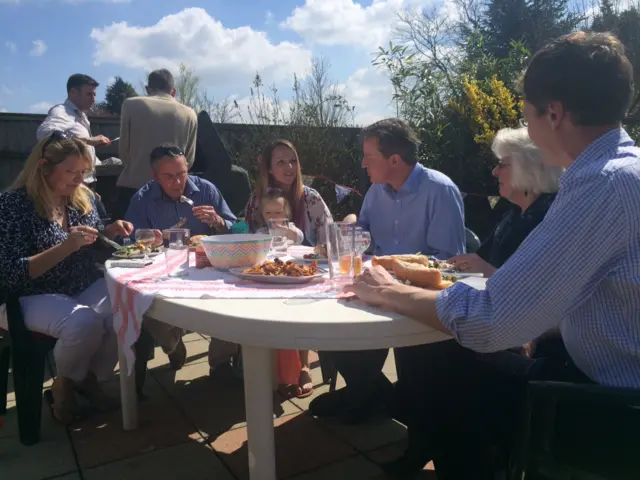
(178, 357)
(62, 401)
(348, 408)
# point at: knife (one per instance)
(111, 243)
(180, 223)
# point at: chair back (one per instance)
(472, 241)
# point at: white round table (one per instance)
(260, 326)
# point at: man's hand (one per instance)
(98, 141)
(158, 239)
(208, 215)
(368, 286)
(119, 228)
(472, 263)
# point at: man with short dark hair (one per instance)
(408, 209)
(162, 203)
(71, 117)
(578, 271)
(147, 122)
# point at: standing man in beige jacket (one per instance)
(147, 122)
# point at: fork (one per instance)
(186, 200)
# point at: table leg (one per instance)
(258, 397)
(128, 395)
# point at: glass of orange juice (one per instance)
(342, 251)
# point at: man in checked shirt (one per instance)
(579, 271)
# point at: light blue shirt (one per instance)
(151, 208)
(425, 216)
(579, 270)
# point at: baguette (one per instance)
(419, 275)
(387, 261)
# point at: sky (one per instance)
(226, 42)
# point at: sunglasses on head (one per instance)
(55, 136)
(159, 152)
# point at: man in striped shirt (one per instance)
(579, 270)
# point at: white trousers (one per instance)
(83, 326)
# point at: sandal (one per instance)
(304, 388)
(62, 402)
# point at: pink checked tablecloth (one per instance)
(132, 292)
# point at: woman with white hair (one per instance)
(529, 185)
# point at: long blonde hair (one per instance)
(33, 175)
(266, 180)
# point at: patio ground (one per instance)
(193, 428)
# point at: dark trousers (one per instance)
(465, 409)
(123, 199)
(458, 405)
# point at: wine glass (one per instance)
(146, 238)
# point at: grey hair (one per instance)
(528, 171)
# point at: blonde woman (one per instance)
(49, 223)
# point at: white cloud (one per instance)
(370, 92)
(111, 80)
(347, 22)
(13, 48)
(268, 17)
(3, 110)
(39, 48)
(221, 56)
(40, 107)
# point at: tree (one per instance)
(317, 101)
(625, 24)
(190, 93)
(115, 96)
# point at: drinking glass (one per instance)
(279, 242)
(176, 251)
(341, 250)
(363, 241)
(146, 237)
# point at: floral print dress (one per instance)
(316, 215)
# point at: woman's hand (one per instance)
(79, 237)
(119, 228)
(472, 263)
(368, 285)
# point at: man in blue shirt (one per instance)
(409, 209)
(157, 205)
(578, 271)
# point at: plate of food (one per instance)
(388, 261)
(303, 254)
(138, 250)
(280, 272)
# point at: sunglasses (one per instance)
(159, 152)
(275, 191)
(55, 136)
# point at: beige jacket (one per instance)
(147, 122)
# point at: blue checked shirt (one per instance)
(151, 208)
(426, 215)
(579, 270)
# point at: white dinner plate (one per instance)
(137, 255)
(300, 258)
(273, 279)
